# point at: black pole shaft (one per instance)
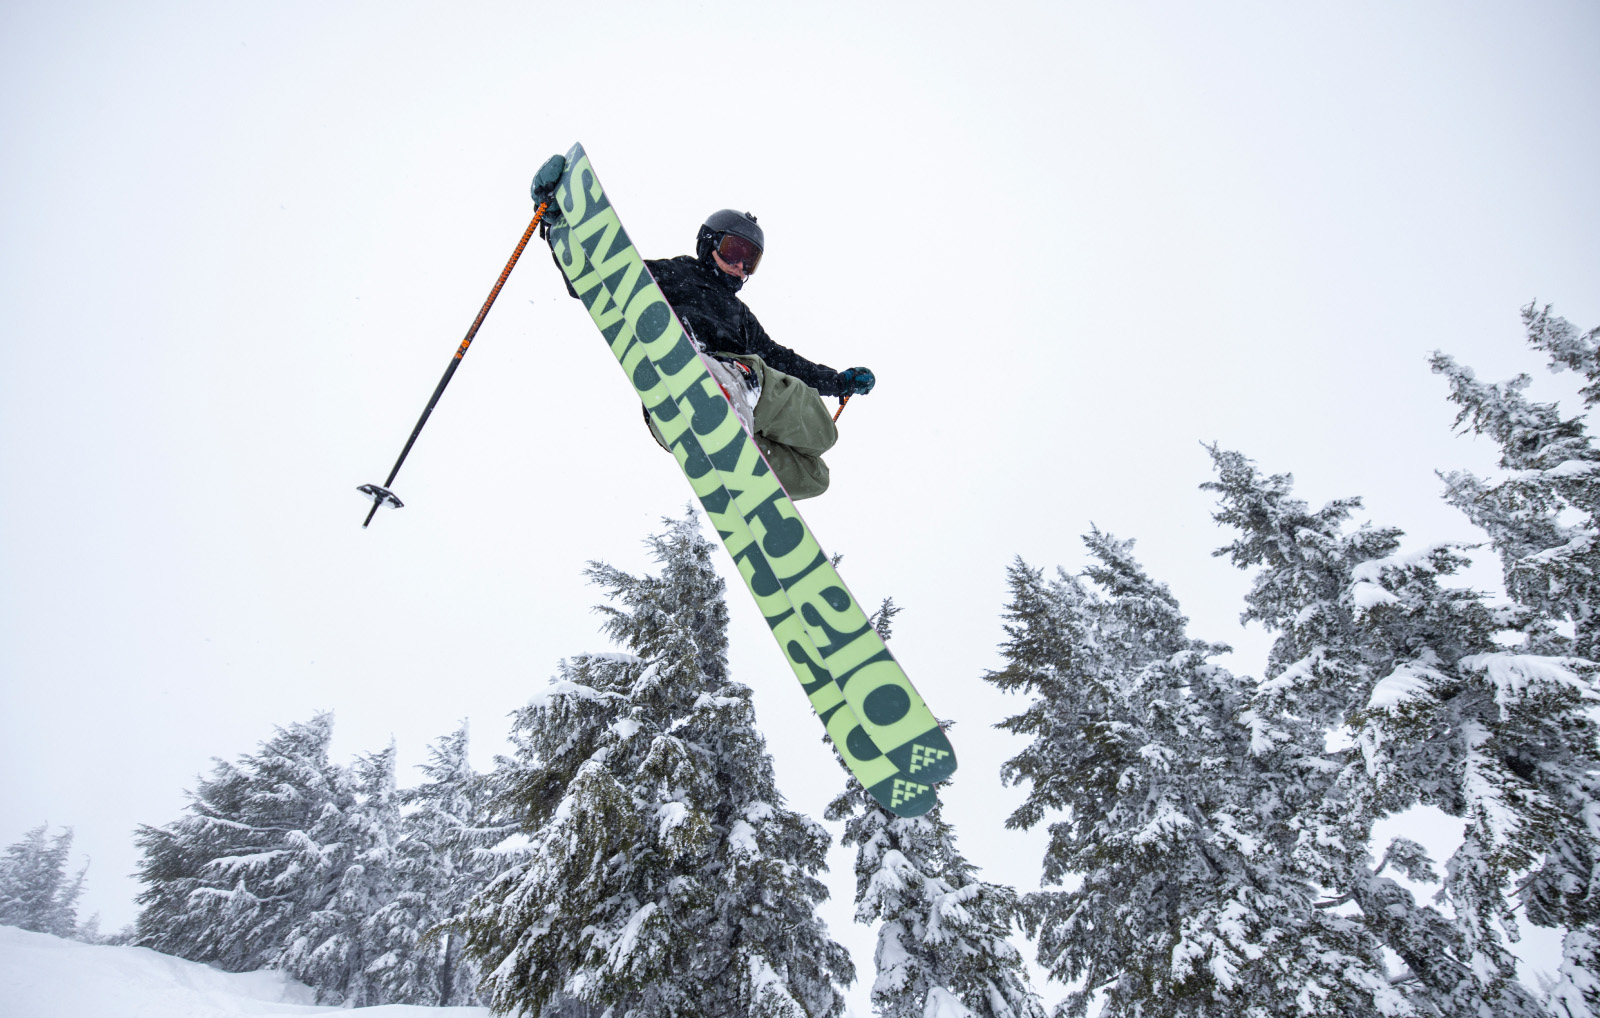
(461, 351)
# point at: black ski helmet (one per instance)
(740, 224)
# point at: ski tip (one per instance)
(920, 765)
(928, 759)
(903, 796)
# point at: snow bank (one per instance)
(46, 977)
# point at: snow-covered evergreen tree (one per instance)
(1222, 827)
(943, 936)
(663, 877)
(286, 860)
(1543, 518)
(440, 863)
(35, 892)
(943, 949)
(1569, 348)
(1543, 515)
(1371, 642)
(1189, 903)
(247, 863)
(336, 947)
(883, 619)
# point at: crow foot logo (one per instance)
(925, 756)
(905, 791)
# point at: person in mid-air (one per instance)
(777, 392)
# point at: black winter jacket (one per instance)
(705, 299)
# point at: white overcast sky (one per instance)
(239, 242)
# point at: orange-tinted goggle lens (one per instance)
(735, 249)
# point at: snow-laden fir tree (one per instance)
(943, 935)
(440, 862)
(1370, 642)
(227, 882)
(342, 944)
(35, 892)
(1543, 518)
(283, 860)
(663, 877)
(1543, 515)
(1189, 903)
(1385, 689)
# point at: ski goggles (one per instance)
(735, 249)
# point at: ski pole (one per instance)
(842, 401)
(380, 494)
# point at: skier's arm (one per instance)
(819, 376)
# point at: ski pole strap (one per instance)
(842, 401)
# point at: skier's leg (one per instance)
(793, 429)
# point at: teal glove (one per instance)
(857, 381)
(544, 181)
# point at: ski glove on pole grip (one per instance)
(544, 190)
(857, 381)
(546, 178)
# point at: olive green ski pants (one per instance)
(793, 428)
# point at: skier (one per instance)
(791, 425)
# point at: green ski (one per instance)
(886, 734)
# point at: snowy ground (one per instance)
(46, 977)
